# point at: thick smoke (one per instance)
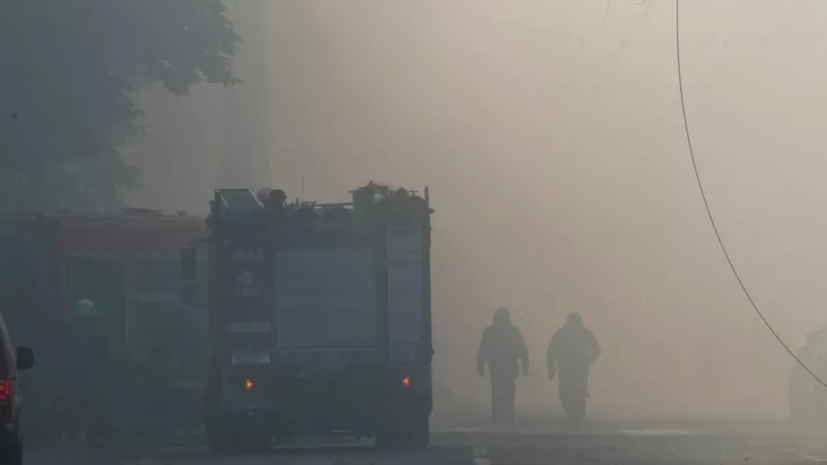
(551, 136)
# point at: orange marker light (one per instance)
(248, 384)
(406, 381)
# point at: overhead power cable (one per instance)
(709, 211)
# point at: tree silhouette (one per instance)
(68, 72)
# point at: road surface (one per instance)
(504, 447)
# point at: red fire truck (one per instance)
(127, 264)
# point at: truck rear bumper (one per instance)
(322, 419)
(289, 401)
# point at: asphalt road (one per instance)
(515, 447)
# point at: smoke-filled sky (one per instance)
(550, 133)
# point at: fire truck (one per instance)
(320, 318)
(127, 265)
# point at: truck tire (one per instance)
(258, 441)
(406, 433)
(420, 432)
(239, 439)
(225, 441)
(386, 438)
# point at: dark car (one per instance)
(11, 397)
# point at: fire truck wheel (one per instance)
(410, 433)
(258, 441)
(420, 434)
(385, 438)
(226, 441)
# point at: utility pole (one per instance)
(245, 157)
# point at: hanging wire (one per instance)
(709, 211)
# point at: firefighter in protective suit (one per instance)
(501, 348)
(571, 352)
